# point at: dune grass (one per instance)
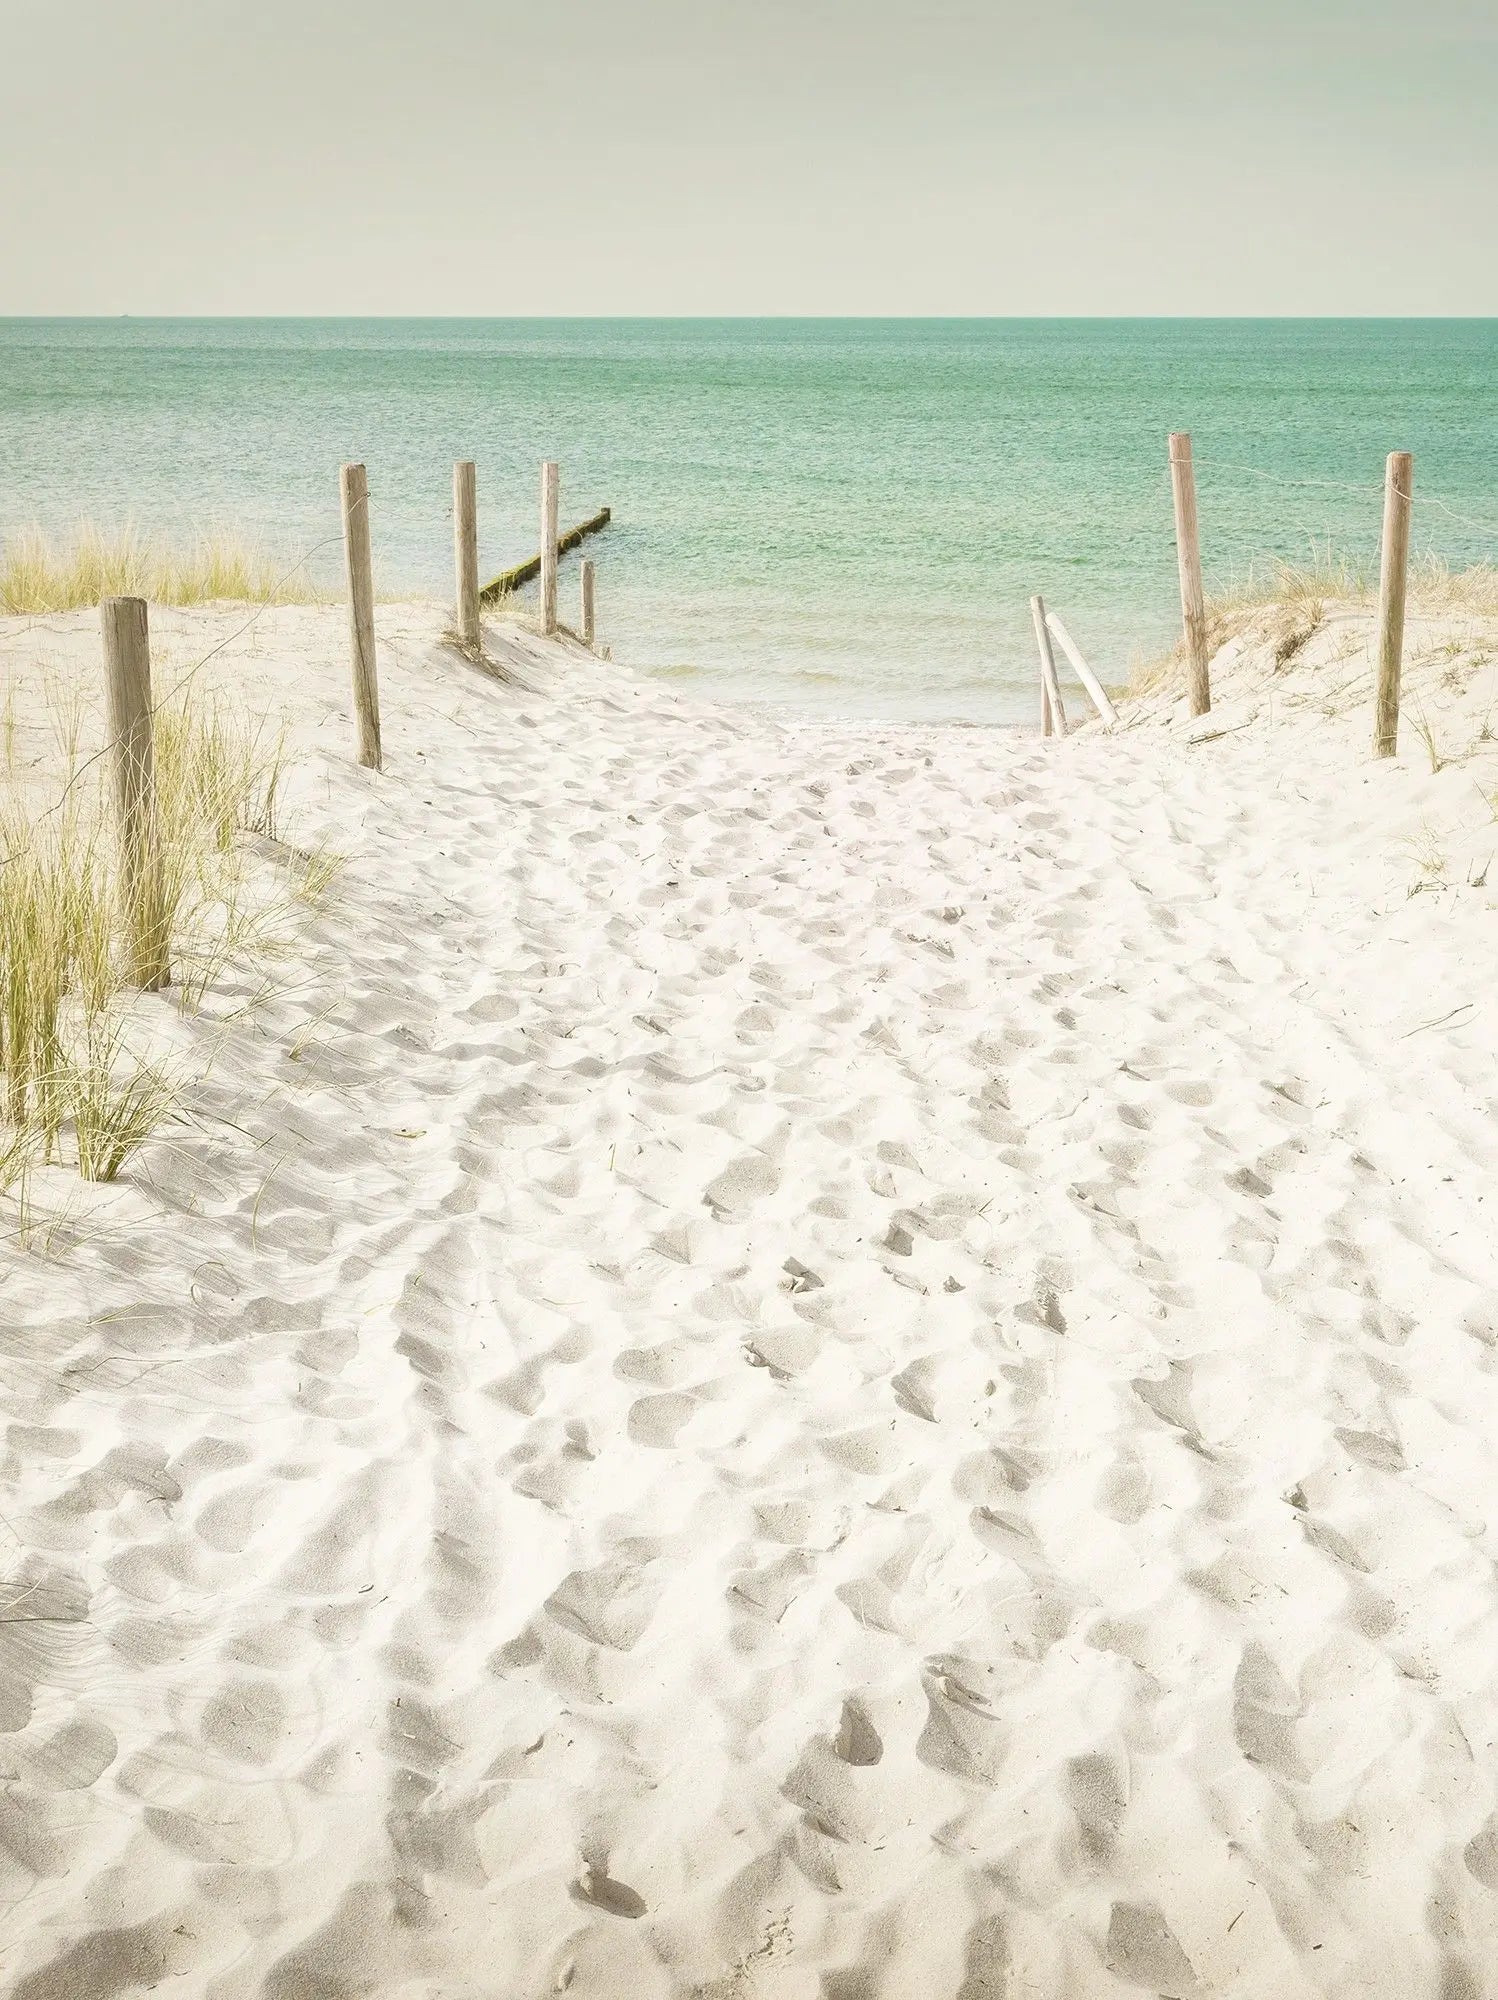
(1294, 597)
(40, 573)
(1434, 586)
(75, 1086)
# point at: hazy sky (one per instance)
(775, 156)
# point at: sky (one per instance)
(662, 157)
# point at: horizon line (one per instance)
(775, 318)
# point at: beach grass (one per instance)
(1434, 586)
(1293, 598)
(40, 573)
(75, 1087)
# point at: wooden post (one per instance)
(1050, 685)
(1393, 576)
(466, 550)
(127, 670)
(588, 602)
(1084, 673)
(361, 614)
(1189, 558)
(549, 484)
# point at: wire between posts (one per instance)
(1421, 499)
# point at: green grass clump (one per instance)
(56, 920)
(72, 1087)
(39, 574)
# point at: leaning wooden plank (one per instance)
(1083, 672)
(511, 579)
(1050, 686)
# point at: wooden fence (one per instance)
(127, 652)
(1393, 577)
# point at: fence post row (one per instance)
(127, 672)
(1393, 577)
(466, 550)
(549, 487)
(1189, 559)
(1052, 713)
(355, 488)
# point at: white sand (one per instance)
(791, 1361)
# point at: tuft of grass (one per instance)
(510, 609)
(315, 872)
(1436, 587)
(70, 1081)
(1420, 722)
(40, 574)
(1303, 591)
(57, 920)
(115, 1101)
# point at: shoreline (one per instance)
(873, 499)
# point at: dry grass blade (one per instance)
(69, 1079)
(57, 915)
(114, 1100)
(1420, 723)
(1302, 592)
(39, 574)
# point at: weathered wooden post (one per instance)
(355, 485)
(127, 670)
(1050, 685)
(1393, 577)
(466, 550)
(549, 486)
(588, 594)
(1189, 559)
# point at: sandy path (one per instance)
(825, 1362)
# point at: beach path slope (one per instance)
(821, 1361)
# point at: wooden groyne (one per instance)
(523, 572)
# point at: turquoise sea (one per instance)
(848, 516)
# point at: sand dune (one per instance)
(806, 1361)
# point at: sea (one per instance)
(833, 516)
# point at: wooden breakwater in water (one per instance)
(525, 572)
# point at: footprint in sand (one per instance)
(1265, 1712)
(246, 1719)
(76, 1757)
(1481, 1853)
(1170, 1397)
(1098, 1789)
(1380, 1454)
(1332, 1542)
(1196, 1094)
(749, 1179)
(914, 1388)
(1143, 1949)
(857, 1740)
(610, 1606)
(1124, 1492)
(656, 1420)
(599, 1889)
(962, 1735)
